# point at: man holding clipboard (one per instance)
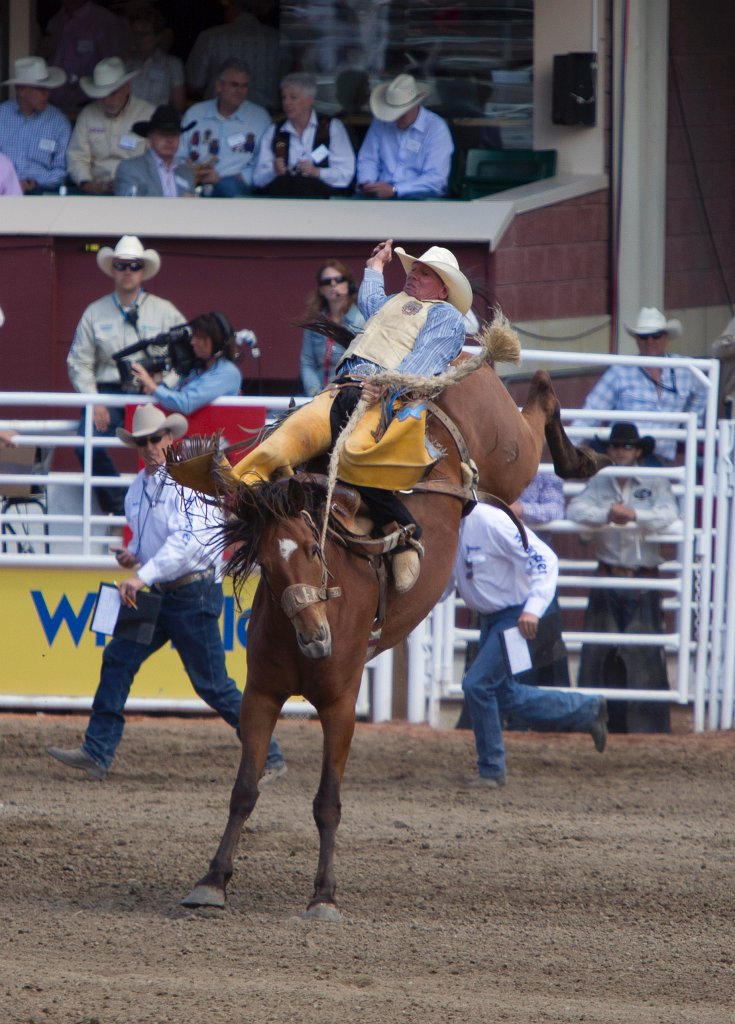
(173, 551)
(511, 587)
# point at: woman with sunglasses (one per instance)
(335, 299)
(214, 375)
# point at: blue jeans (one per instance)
(491, 691)
(189, 619)
(110, 499)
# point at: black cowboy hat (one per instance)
(165, 119)
(627, 433)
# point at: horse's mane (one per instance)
(256, 507)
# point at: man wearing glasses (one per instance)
(171, 552)
(108, 325)
(621, 513)
(641, 389)
(222, 145)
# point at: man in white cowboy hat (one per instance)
(640, 389)
(621, 514)
(108, 325)
(407, 151)
(171, 552)
(33, 134)
(158, 172)
(103, 134)
(418, 331)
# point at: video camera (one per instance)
(170, 350)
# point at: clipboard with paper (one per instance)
(536, 655)
(113, 618)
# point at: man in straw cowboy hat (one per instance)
(158, 172)
(622, 513)
(128, 314)
(103, 134)
(33, 134)
(640, 389)
(407, 150)
(418, 332)
(170, 552)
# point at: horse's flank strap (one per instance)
(300, 596)
(451, 426)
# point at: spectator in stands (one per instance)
(511, 587)
(108, 325)
(334, 299)
(78, 37)
(622, 511)
(158, 172)
(214, 375)
(246, 39)
(223, 145)
(160, 78)
(304, 154)
(407, 152)
(9, 184)
(103, 134)
(33, 134)
(641, 389)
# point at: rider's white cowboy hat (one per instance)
(35, 72)
(129, 248)
(108, 75)
(444, 263)
(148, 420)
(652, 321)
(391, 99)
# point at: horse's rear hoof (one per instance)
(204, 896)
(323, 912)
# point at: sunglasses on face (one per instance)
(133, 265)
(651, 337)
(332, 280)
(141, 442)
(626, 446)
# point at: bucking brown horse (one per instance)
(320, 609)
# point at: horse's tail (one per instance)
(499, 339)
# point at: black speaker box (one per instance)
(574, 89)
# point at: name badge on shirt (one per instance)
(413, 145)
(47, 145)
(236, 140)
(128, 141)
(320, 153)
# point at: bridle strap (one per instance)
(300, 596)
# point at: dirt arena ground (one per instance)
(594, 889)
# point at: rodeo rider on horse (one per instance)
(419, 331)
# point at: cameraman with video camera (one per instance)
(211, 372)
(117, 321)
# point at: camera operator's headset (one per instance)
(225, 329)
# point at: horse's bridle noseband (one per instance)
(299, 596)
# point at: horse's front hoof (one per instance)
(204, 896)
(323, 912)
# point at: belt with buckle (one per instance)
(182, 581)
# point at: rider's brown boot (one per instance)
(405, 566)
